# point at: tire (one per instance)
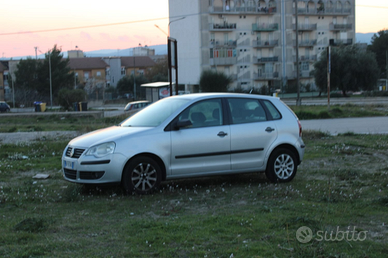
(142, 175)
(282, 166)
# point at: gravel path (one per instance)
(7, 138)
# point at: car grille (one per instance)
(69, 173)
(77, 152)
(91, 174)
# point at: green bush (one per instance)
(66, 97)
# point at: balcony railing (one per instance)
(223, 44)
(321, 11)
(309, 58)
(266, 59)
(222, 26)
(340, 26)
(265, 27)
(265, 76)
(305, 43)
(242, 10)
(337, 42)
(223, 61)
(305, 27)
(265, 43)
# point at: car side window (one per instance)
(246, 111)
(204, 113)
(272, 110)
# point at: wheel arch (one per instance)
(152, 156)
(289, 147)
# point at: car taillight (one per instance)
(300, 129)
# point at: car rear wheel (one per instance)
(142, 175)
(282, 166)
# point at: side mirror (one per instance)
(183, 123)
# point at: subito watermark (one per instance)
(305, 235)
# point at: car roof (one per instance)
(222, 95)
(139, 101)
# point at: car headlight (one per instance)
(101, 150)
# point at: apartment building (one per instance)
(255, 41)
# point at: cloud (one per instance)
(86, 36)
(105, 36)
(124, 38)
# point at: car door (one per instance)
(204, 146)
(252, 133)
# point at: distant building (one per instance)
(143, 51)
(75, 54)
(3, 77)
(254, 41)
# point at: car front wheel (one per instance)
(282, 166)
(142, 175)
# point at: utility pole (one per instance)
(328, 75)
(298, 101)
(134, 73)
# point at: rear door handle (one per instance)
(269, 129)
(222, 134)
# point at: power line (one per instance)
(81, 27)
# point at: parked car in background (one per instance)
(4, 107)
(136, 105)
(189, 136)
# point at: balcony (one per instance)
(242, 10)
(223, 44)
(309, 58)
(223, 61)
(305, 27)
(265, 76)
(265, 43)
(338, 42)
(222, 26)
(340, 27)
(263, 60)
(265, 27)
(305, 43)
(323, 11)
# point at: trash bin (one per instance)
(75, 106)
(42, 107)
(37, 106)
(84, 106)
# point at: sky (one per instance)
(113, 24)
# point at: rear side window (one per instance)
(246, 111)
(272, 110)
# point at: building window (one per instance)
(122, 70)
(98, 73)
(86, 75)
(107, 71)
(141, 72)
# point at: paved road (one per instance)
(365, 125)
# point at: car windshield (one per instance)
(155, 114)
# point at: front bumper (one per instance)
(91, 170)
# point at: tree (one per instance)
(349, 71)
(379, 47)
(66, 97)
(159, 72)
(212, 81)
(26, 81)
(125, 85)
(61, 75)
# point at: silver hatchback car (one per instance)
(189, 136)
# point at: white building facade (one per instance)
(254, 41)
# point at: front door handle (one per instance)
(222, 134)
(269, 129)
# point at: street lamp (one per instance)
(51, 86)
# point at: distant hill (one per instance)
(364, 37)
(159, 50)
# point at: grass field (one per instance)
(341, 188)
